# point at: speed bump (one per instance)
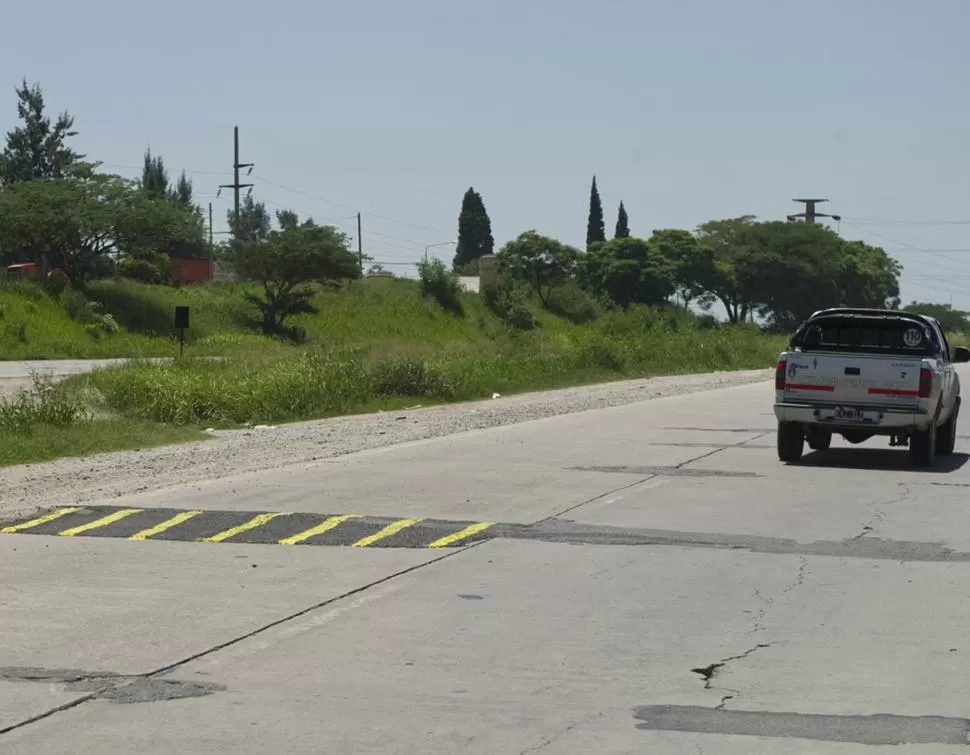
(250, 527)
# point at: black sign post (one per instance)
(181, 324)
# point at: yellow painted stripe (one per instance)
(38, 521)
(389, 530)
(166, 525)
(257, 521)
(473, 529)
(97, 523)
(325, 526)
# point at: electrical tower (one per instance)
(235, 185)
(810, 213)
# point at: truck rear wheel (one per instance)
(946, 434)
(922, 447)
(791, 441)
(819, 439)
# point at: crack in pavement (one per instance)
(800, 577)
(879, 514)
(707, 673)
(646, 478)
(724, 701)
(768, 603)
(555, 737)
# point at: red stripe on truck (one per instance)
(808, 387)
(891, 392)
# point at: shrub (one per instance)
(509, 304)
(410, 377)
(572, 303)
(442, 285)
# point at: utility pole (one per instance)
(360, 246)
(810, 213)
(210, 225)
(235, 185)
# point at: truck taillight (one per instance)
(925, 382)
(780, 375)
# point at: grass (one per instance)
(321, 384)
(52, 422)
(375, 344)
(49, 442)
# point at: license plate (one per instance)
(847, 413)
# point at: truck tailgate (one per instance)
(852, 379)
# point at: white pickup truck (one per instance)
(866, 372)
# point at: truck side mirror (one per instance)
(961, 354)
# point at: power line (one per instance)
(346, 206)
(872, 221)
(901, 243)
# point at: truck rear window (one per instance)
(875, 335)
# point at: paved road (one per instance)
(645, 578)
(17, 376)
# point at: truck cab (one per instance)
(862, 373)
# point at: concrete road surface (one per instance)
(640, 579)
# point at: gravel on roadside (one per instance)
(232, 452)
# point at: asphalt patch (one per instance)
(864, 730)
(559, 531)
(667, 471)
(151, 690)
(115, 688)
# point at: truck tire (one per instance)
(946, 434)
(791, 441)
(922, 447)
(819, 439)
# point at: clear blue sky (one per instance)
(686, 110)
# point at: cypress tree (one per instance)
(474, 230)
(622, 224)
(595, 228)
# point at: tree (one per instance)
(474, 231)
(154, 176)
(287, 261)
(595, 227)
(155, 181)
(76, 224)
(182, 191)
(797, 267)
(254, 221)
(725, 241)
(630, 271)
(622, 224)
(690, 261)
(952, 320)
(541, 263)
(868, 277)
(38, 149)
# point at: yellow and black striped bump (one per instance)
(266, 528)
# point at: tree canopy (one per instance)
(288, 259)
